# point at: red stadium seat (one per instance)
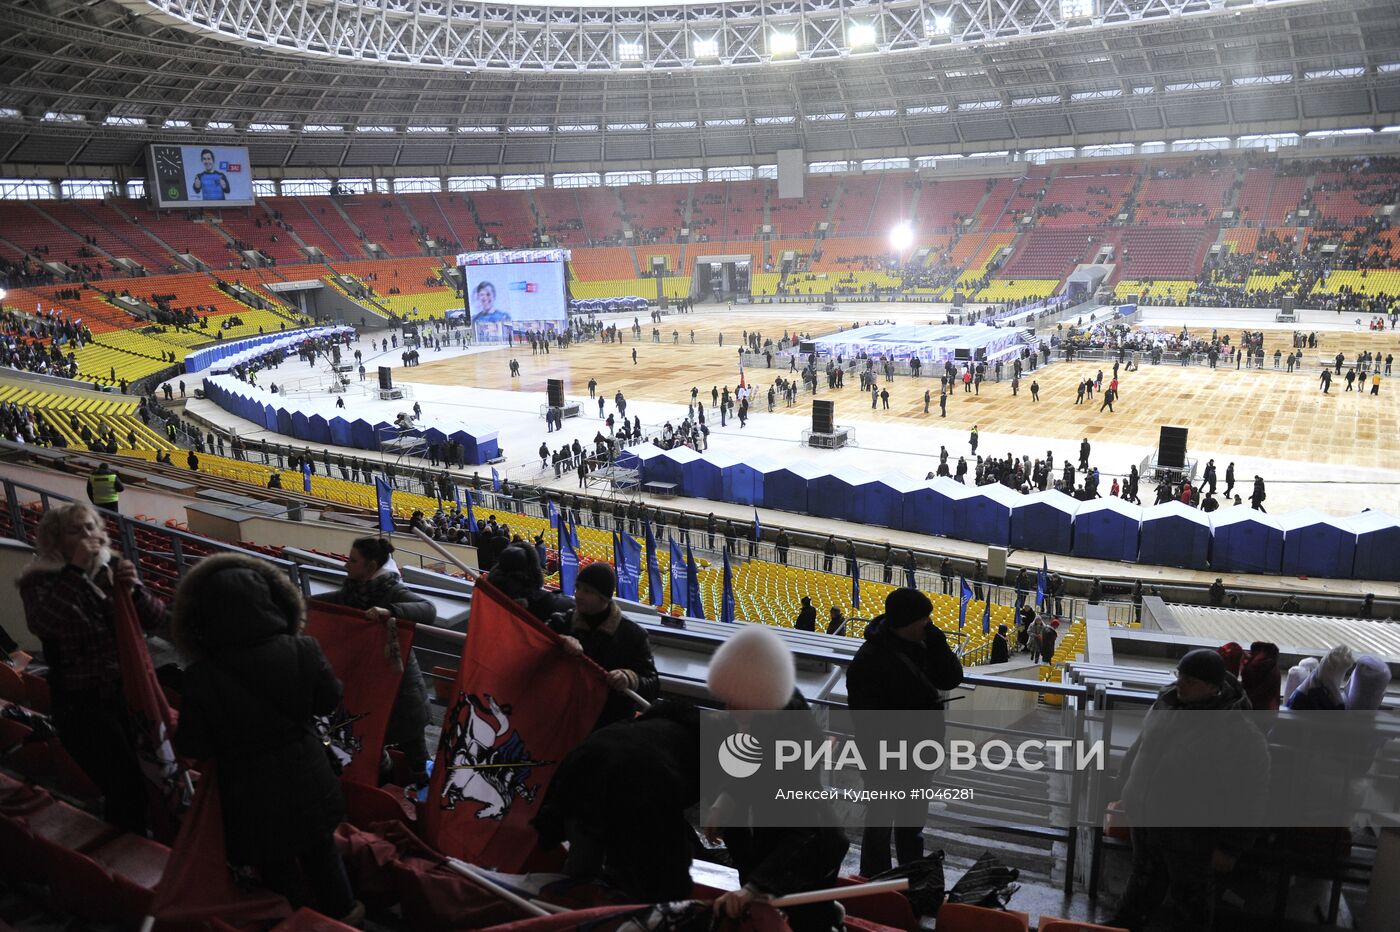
(80, 885)
(960, 917)
(12, 688)
(1051, 924)
(67, 827)
(308, 920)
(37, 693)
(366, 805)
(18, 859)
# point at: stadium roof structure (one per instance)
(333, 84)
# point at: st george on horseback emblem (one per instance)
(487, 762)
(337, 732)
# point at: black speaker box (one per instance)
(386, 378)
(1287, 304)
(823, 417)
(1171, 447)
(556, 393)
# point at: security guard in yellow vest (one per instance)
(103, 487)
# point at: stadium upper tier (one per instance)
(1212, 229)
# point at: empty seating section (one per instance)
(382, 221)
(297, 214)
(943, 204)
(112, 232)
(409, 274)
(1243, 241)
(855, 214)
(506, 215)
(423, 209)
(1372, 281)
(1167, 252)
(1022, 202)
(601, 213)
(1196, 199)
(184, 235)
(1252, 202)
(654, 211)
(1283, 200)
(848, 253)
(90, 306)
(800, 216)
(457, 213)
(1351, 198)
(426, 305)
(1016, 290)
(1155, 291)
(1083, 200)
(1050, 253)
(645, 254)
(630, 287)
(253, 226)
(560, 215)
(765, 283)
(60, 410)
(30, 229)
(607, 262)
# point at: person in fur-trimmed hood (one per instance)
(251, 689)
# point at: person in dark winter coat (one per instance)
(1216, 767)
(1259, 674)
(372, 584)
(67, 594)
(620, 798)
(806, 616)
(836, 623)
(251, 689)
(754, 671)
(1001, 648)
(904, 664)
(518, 574)
(595, 628)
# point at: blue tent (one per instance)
(669, 466)
(285, 424)
(362, 432)
(985, 515)
(1377, 545)
(743, 483)
(300, 429)
(340, 432)
(931, 508)
(1245, 541)
(835, 495)
(318, 430)
(641, 458)
(269, 417)
(704, 475)
(881, 501)
(1315, 544)
(785, 488)
(1107, 529)
(1175, 534)
(488, 447)
(1044, 521)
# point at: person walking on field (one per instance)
(1035, 391)
(972, 439)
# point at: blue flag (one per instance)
(629, 568)
(654, 589)
(678, 574)
(554, 515)
(385, 503)
(471, 513)
(987, 615)
(495, 480)
(964, 597)
(726, 602)
(694, 602)
(568, 563)
(757, 527)
(306, 477)
(1042, 583)
(855, 587)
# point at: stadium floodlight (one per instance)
(861, 35)
(707, 47)
(629, 50)
(3, 293)
(942, 24)
(1076, 9)
(902, 237)
(782, 43)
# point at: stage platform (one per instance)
(933, 344)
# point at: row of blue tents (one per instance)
(1236, 539)
(206, 356)
(607, 305)
(289, 418)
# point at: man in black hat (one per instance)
(595, 628)
(904, 664)
(806, 616)
(1203, 773)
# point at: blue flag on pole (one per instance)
(554, 515)
(568, 562)
(678, 574)
(1042, 583)
(385, 503)
(987, 615)
(855, 587)
(495, 480)
(654, 592)
(757, 526)
(306, 476)
(471, 513)
(629, 569)
(726, 602)
(695, 603)
(964, 597)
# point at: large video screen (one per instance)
(516, 295)
(199, 176)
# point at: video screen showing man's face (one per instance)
(207, 159)
(486, 309)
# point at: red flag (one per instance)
(519, 705)
(167, 784)
(356, 650)
(197, 883)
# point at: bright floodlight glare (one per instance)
(862, 34)
(629, 50)
(782, 43)
(3, 293)
(942, 24)
(706, 48)
(902, 237)
(1076, 9)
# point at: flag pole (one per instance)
(841, 893)
(472, 574)
(515, 899)
(148, 924)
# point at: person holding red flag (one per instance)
(251, 690)
(372, 584)
(595, 628)
(68, 604)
